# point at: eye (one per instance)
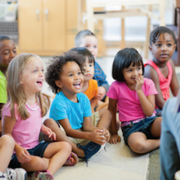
(168, 45)
(6, 53)
(79, 73)
(129, 70)
(95, 46)
(14, 52)
(87, 46)
(158, 45)
(35, 71)
(70, 75)
(42, 70)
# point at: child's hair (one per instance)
(54, 70)
(16, 94)
(80, 35)
(123, 59)
(84, 52)
(2, 38)
(157, 32)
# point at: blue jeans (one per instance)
(170, 141)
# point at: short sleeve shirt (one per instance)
(63, 108)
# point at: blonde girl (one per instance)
(22, 119)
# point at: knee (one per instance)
(138, 147)
(49, 122)
(8, 140)
(66, 146)
(41, 164)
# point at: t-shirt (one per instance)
(92, 90)
(63, 108)
(128, 102)
(26, 132)
(3, 88)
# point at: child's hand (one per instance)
(101, 93)
(97, 136)
(139, 82)
(22, 155)
(49, 132)
(106, 134)
(114, 139)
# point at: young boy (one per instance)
(71, 108)
(87, 39)
(7, 53)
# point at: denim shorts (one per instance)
(36, 151)
(143, 126)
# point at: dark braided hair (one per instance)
(54, 70)
(157, 32)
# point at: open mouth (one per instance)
(164, 55)
(40, 82)
(77, 85)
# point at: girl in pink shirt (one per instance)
(135, 98)
(22, 119)
(161, 68)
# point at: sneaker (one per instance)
(2, 177)
(90, 150)
(45, 175)
(16, 174)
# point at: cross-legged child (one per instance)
(161, 68)
(87, 39)
(22, 119)
(7, 53)
(7, 144)
(134, 96)
(71, 108)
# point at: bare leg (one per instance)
(7, 144)
(60, 136)
(140, 144)
(105, 118)
(156, 127)
(57, 152)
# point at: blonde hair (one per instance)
(16, 94)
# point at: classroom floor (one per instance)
(118, 161)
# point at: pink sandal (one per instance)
(71, 160)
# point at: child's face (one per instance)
(90, 42)
(89, 70)
(131, 73)
(163, 48)
(32, 77)
(7, 52)
(71, 79)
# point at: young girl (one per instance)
(22, 119)
(7, 53)
(161, 68)
(71, 108)
(134, 96)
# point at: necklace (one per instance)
(31, 107)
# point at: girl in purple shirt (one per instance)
(135, 98)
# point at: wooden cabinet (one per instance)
(42, 26)
(48, 27)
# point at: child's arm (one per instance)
(48, 131)
(113, 127)
(147, 103)
(94, 134)
(152, 74)
(174, 82)
(21, 153)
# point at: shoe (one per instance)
(90, 150)
(2, 177)
(16, 174)
(72, 160)
(45, 175)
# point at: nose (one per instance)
(135, 73)
(164, 47)
(12, 54)
(41, 73)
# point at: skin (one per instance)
(91, 43)
(7, 53)
(137, 141)
(56, 153)
(71, 80)
(162, 50)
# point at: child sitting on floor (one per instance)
(161, 68)
(87, 39)
(135, 97)
(22, 118)
(71, 108)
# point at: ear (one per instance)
(58, 83)
(150, 47)
(175, 45)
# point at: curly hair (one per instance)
(54, 70)
(157, 32)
